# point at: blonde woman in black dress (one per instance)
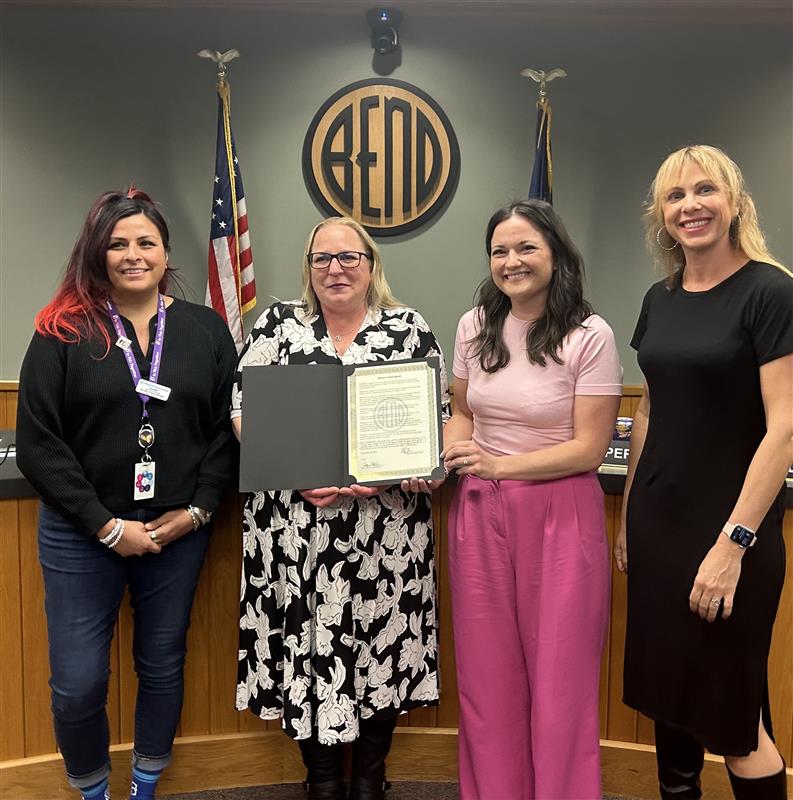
(712, 442)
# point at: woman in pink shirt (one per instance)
(537, 388)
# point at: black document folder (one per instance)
(294, 426)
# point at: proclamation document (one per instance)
(393, 421)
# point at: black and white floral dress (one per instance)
(337, 609)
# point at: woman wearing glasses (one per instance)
(338, 620)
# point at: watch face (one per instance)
(742, 536)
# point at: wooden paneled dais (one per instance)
(219, 746)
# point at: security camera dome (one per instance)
(385, 41)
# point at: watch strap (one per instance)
(742, 536)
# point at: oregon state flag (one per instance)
(542, 173)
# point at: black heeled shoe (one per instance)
(368, 789)
(325, 790)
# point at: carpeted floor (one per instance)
(294, 791)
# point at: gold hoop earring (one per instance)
(658, 239)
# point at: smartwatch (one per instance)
(743, 537)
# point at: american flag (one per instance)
(231, 288)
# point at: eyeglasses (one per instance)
(349, 259)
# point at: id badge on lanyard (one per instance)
(145, 469)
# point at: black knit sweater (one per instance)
(79, 415)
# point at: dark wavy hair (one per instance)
(565, 308)
(77, 310)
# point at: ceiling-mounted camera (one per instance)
(384, 23)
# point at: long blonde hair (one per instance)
(378, 295)
(745, 233)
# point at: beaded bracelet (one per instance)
(194, 516)
(113, 533)
(114, 537)
(199, 516)
(115, 541)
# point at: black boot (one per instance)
(680, 759)
(769, 787)
(325, 765)
(369, 753)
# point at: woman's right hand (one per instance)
(136, 540)
(321, 498)
(417, 485)
(621, 549)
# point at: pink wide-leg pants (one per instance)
(529, 570)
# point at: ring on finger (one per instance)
(465, 462)
(153, 536)
(715, 601)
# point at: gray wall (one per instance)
(92, 99)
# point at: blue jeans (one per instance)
(84, 584)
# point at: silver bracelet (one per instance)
(200, 516)
(114, 537)
(191, 510)
(113, 533)
(115, 541)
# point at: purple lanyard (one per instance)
(156, 355)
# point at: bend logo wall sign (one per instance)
(383, 152)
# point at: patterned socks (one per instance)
(143, 784)
(98, 791)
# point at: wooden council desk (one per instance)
(218, 747)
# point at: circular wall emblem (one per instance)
(383, 152)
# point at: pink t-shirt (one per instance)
(525, 407)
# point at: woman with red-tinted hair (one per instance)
(123, 431)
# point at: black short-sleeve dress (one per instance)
(700, 353)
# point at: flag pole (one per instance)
(542, 172)
(231, 281)
(224, 92)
